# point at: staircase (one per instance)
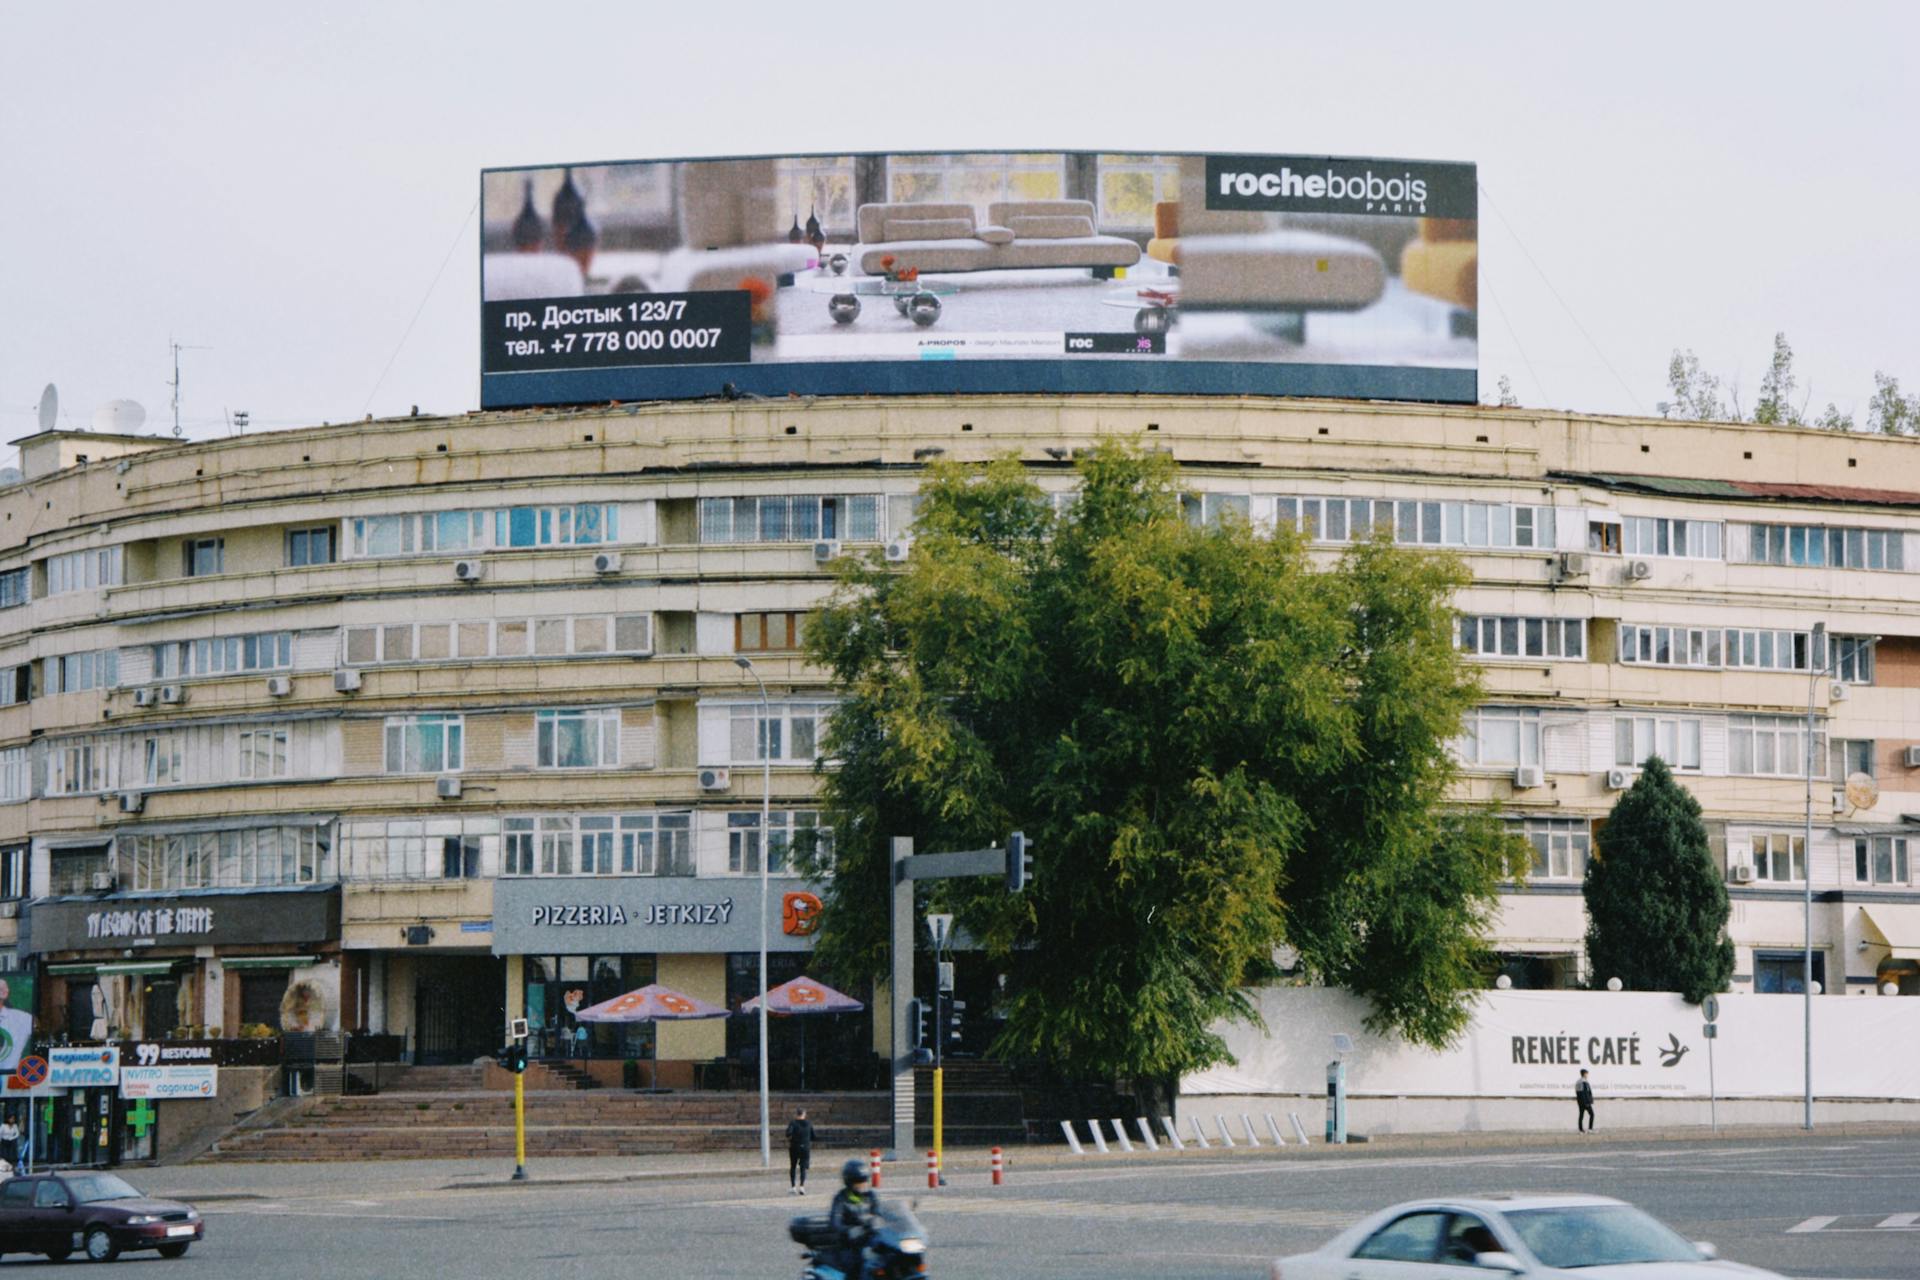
(604, 1122)
(568, 1074)
(982, 1105)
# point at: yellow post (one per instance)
(939, 1121)
(519, 1126)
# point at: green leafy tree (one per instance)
(1656, 906)
(1216, 747)
(1889, 412)
(1775, 405)
(1696, 393)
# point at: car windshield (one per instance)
(1598, 1235)
(90, 1187)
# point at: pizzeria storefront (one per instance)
(571, 943)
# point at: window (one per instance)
(310, 546)
(16, 588)
(15, 779)
(1209, 509)
(223, 655)
(792, 735)
(1851, 756)
(203, 556)
(518, 847)
(1660, 536)
(791, 518)
(84, 570)
(1452, 524)
(979, 179)
(769, 632)
(585, 738)
(1603, 537)
(1129, 187)
(249, 857)
(585, 524)
(516, 638)
(1769, 746)
(83, 764)
(1499, 737)
(819, 187)
(1785, 972)
(1413, 1238)
(76, 672)
(1769, 650)
(1560, 847)
(784, 828)
(161, 759)
(590, 844)
(1674, 740)
(264, 752)
(1816, 545)
(1670, 646)
(573, 525)
(73, 870)
(1880, 860)
(13, 870)
(1503, 637)
(425, 744)
(1778, 856)
(1853, 659)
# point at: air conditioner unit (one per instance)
(1529, 775)
(1838, 693)
(1743, 874)
(1619, 779)
(1638, 571)
(825, 550)
(143, 697)
(346, 680)
(279, 686)
(102, 882)
(898, 550)
(607, 562)
(9, 910)
(447, 788)
(1911, 757)
(132, 801)
(172, 693)
(715, 779)
(1573, 564)
(469, 570)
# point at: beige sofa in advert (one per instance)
(1018, 235)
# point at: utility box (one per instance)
(1336, 1102)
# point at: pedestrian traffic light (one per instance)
(514, 1057)
(1019, 862)
(917, 1024)
(954, 1009)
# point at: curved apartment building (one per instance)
(420, 724)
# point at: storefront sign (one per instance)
(100, 924)
(169, 1082)
(84, 1066)
(643, 913)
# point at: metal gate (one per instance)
(459, 1009)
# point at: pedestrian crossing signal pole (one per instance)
(514, 1059)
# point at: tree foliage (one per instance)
(1656, 907)
(1704, 397)
(1216, 749)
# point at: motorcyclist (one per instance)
(854, 1208)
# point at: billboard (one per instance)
(917, 272)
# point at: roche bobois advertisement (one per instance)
(917, 272)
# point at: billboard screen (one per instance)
(925, 272)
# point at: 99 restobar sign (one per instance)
(638, 914)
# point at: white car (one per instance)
(1548, 1235)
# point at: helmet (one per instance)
(853, 1171)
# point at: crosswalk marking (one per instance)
(1860, 1222)
(1813, 1224)
(934, 1206)
(1900, 1220)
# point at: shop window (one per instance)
(260, 996)
(1784, 972)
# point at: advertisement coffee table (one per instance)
(917, 300)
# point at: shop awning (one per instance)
(1894, 927)
(266, 962)
(132, 967)
(73, 970)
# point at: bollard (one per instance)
(999, 1167)
(1273, 1127)
(1299, 1129)
(1200, 1135)
(1246, 1121)
(1146, 1132)
(933, 1170)
(1120, 1134)
(1099, 1138)
(1173, 1134)
(1073, 1141)
(1220, 1123)
(873, 1167)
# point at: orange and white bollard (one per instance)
(999, 1167)
(933, 1170)
(873, 1167)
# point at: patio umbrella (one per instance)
(803, 995)
(651, 1003)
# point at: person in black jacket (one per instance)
(799, 1152)
(854, 1209)
(1583, 1095)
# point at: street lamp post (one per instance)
(765, 745)
(1818, 665)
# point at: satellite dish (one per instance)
(1862, 792)
(49, 407)
(119, 417)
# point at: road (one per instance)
(1815, 1206)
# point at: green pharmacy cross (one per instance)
(140, 1118)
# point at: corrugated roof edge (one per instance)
(1676, 486)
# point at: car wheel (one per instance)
(101, 1246)
(178, 1249)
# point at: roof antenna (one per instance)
(175, 384)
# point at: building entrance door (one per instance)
(459, 1008)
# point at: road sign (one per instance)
(32, 1070)
(1710, 1009)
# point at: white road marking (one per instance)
(1813, 1224)
(1900, 1220)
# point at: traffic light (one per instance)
(917, 1024)
(1019, 862)
(514, 1057)
(954, 1009)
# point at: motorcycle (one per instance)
(895, 1249)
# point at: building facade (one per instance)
(418, 725)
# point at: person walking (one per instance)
(1583, 1095)
(10, 1141)
(799, 1152)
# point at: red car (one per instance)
(97, 1213)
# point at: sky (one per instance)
(288, 190)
